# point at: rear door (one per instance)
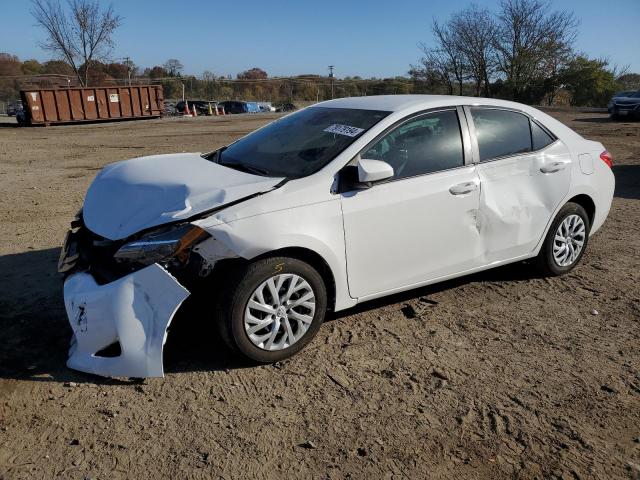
(524, 171)
(421, 224)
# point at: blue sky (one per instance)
(366, 38)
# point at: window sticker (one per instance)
(344, 130)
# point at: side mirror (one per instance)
(373, 170)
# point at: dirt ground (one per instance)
(498, 375)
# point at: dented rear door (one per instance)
(518, 196)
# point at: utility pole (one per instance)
(127, 62)
(331, 67)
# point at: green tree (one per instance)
(58, 67)
(32, 67)
(589, 81)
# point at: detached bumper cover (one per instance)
(135, 310)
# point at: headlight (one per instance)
(162, 245)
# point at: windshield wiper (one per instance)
(242, 167)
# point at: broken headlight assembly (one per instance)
(163, 245)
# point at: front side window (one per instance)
(501, 133)
(299, 144)
(429, 143)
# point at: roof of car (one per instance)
(400, 105)
(395, 103)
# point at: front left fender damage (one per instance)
(135, 311)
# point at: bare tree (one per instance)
(434, 69)
(474, 31)
(173, 66)
(81, 35)
(530, 39)
(448, 50)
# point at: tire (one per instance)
(547, 260)
(233, 323)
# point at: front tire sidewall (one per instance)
(253, 277)
(546, 259)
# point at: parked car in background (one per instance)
(13, 108)
(253, 107)
(286, 107)
(625, 105)
(237, 106)
(169, 108)
(266, 107)
(623, 93)
(203, 107)
(342, 202)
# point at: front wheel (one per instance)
(565, 242)
(272, 308)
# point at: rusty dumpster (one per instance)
(91, 104)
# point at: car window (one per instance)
(539, 137)
(501, 133)
(426, 144)
(301, 143)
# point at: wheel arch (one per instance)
(586, 202)
(315, 260)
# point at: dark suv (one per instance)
(625, 106)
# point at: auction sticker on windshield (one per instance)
(344, 130)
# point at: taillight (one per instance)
(607, 158)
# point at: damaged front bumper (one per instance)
(134, 311)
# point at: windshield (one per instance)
(635, 95)
(299, 144)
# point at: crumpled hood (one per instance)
(133, 195)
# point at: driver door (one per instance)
(421, 224)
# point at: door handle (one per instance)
(463, 188)
(554, 167)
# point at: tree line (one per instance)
(523, 52)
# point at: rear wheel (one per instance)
(272, 308)
(565, 242)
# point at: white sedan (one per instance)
(339, 203)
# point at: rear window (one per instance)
(540, 137)
(501, 133)
(300, 144)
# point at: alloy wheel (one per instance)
(569, 240)
(279, 312)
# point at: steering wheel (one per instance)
(397, 158)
